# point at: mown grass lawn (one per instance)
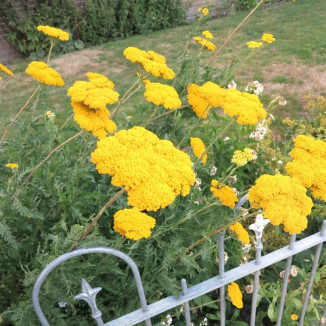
(292, 66)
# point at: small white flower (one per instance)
(198, 183)
(232, 84)
(226, 138)
(213, 170)
(255, 87)
(282, 274)
(282, 101)
(196, 202)
(232, 179)
(226, 257)
(62, 304)
(259, 132)
(323, 321)
(279, 162)
(293, 271)
(245, 247)
(235, 190)
(249, 288)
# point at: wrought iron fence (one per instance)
(218, 282)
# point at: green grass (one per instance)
(300, 39)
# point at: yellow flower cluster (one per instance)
(5, 70)
(198, 147)
(12, 166)
(202, 98)
(235, 295)
(246, 107)
(44, 74)
(240, 231)
(54, 32)
(151, 61)
(204, 42)
(283, 200)
(309, 164)
(152, 171)
(225, 193)
(160, 94)
(133, 224)
(294, 316)
(241, 158)
(268, 38)
(203, 11)
(207, 34)
(254, 45)
(89, 100)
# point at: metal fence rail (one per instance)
(218, 282)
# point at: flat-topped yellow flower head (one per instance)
(151, 61)
(53, 32)
(224, 193)
(198, 147)
(12, 166)
(160, 94)
(44, 74)
(152, 170)
(309, 164)
(133, 224)
(283, 200)
(235, 295)
(240, 231)
(268, 38)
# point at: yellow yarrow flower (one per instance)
(152, 171)
(241, 158)
(133, 224)
(44, 74)
(235, 295)
(205, 43)
(96, 93)
(246, 107)
(268, 38)
(12, 166)
(5, 70)
(202, 98)
(240, 231)
(309, 164)
(225, 193)
(89, 100)
(203, 11)
(253, 44)
(151, 61)
(54, 32)
(160, 94)
(207, 34)
(283, 200)
(294, 316)
(198, 147)
(96, 121)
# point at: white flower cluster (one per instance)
(232, 84)
(259, 132)
(255, 87)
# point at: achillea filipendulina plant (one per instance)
(54, 32)
(235, 295)
(152, 171)
(254, 45)
(283, 200)
(268, 38)
(133, 224)
(151, 61)
(12, 166)
(224, 193)
(241, 232)
(309, 164)
(198, 147)
(44, 74)
(160, 94)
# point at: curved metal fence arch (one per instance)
(88, 293)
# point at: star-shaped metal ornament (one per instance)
(259, 226)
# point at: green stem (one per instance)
(64, 124)
(170, 111)
(232, 171)
(152, 115)
(233, 33)
(44, 160)
(50, 52)
(18, 114)
(99, 214)
(216, 138)
(123, 98)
